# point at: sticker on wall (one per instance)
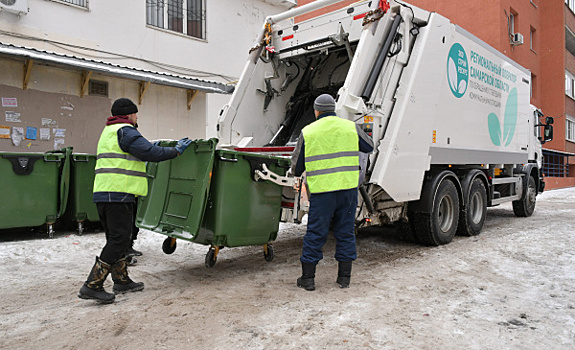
(58, 143)
(9, 102)
(44, 134)
(31, 133)
(59, 132)
(17, 135)
(13, 117)
(4, 132)
(48, 122)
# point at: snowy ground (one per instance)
(512, 287)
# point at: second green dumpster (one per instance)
(210, 197)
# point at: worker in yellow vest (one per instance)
(328, 151)
(120, 178)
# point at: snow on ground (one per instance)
(511, 287)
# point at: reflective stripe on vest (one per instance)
(331, 154)
(116, 170)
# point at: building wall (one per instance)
(118, 34)
(52, 101)
(554, 62)
(121, 30)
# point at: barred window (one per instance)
(183, 16)
(81, 3)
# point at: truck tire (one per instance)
(439, 226)
(472, 219)
(526, 205)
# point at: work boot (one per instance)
(123, 283)
(308, 274)
(93, 288)
(133, 252)
(344, 274)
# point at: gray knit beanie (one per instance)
(324, 103)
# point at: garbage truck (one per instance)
(450, 116)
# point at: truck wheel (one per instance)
(526, 205)
(439, 226)
(471, 221)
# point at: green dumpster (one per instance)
(34, 188)
(81, 207)
(233, 210)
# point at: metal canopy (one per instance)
(58, 59)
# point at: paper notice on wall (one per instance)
(17, 135)
(48, 122)
(31, 133)
(59, 132)
(9, 102)
(4, 132)
(59, 143)
(44, 134)
(12, 117)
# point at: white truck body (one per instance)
(440, 104)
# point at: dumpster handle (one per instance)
(80, 158)
(233, 160)
(47, 159)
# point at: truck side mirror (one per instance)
(547, 130)
(547, 133)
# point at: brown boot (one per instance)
(93, 288)
(123, 283)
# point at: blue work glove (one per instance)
(183, 144)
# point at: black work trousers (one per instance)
(117, 219)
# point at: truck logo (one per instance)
(498, 136)
(457, 70)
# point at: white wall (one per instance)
(116, 32)
(163, 113)
(119, 27)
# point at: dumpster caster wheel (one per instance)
(50, 231)
(268, 252)
(212, 257)
(169, 245)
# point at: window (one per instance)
(81, 3)
(533, 85)
(571, 4)
(183, 16)
(570, 128)
(98, 88)
(511, 22)
(569, 85)
(532, 39)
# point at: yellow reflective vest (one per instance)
(116, 170)
(331, 154)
